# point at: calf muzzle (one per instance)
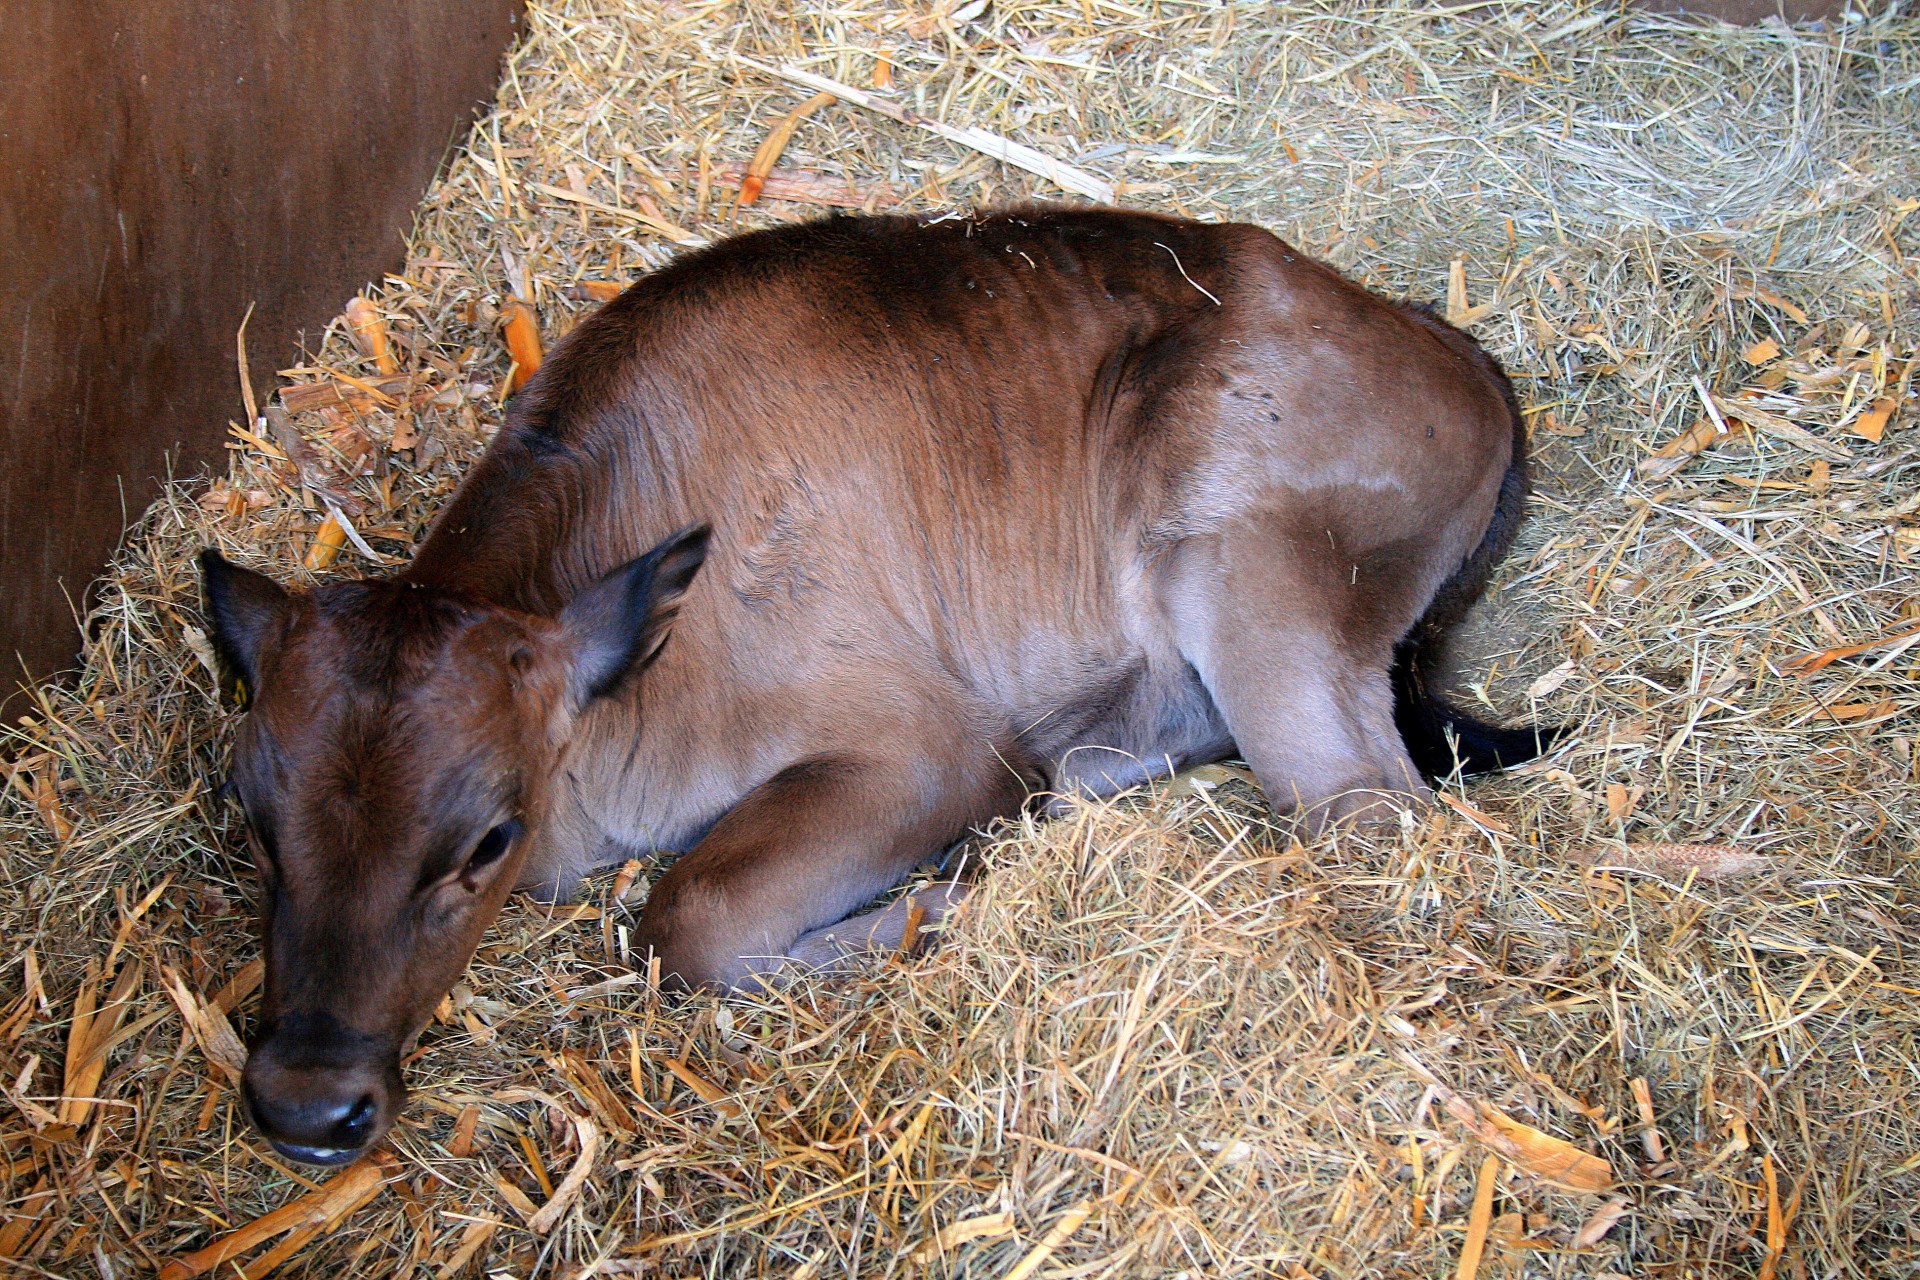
(321, 1099)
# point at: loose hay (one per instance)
(1648, 1007)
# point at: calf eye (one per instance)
(492, 845)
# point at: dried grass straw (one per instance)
(1653, 999)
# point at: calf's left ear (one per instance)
(618, 624)
(244, 609)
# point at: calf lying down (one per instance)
(826, 545)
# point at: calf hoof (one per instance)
(715, 959)
(909, 925)
(1364, 811)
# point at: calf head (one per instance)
(395, 765)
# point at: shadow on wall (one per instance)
(165, 165)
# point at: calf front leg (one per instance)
(804, 849)
(907, 924)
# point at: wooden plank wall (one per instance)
(165, 164)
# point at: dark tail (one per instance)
(1439, 737)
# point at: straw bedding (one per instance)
(1648, 1007)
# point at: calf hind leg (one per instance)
(1309, 705)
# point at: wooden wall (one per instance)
(164, 164)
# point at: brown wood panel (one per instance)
(163, 165)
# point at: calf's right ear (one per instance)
(244, 608)
(618, 624)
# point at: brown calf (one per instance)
(1042, 501)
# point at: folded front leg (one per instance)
(802, 850)
(906, 925)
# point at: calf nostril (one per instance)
(357, 1125)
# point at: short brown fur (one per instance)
(1042, 501)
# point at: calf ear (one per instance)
(244, 608)
(619, 623)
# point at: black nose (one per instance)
(316, 1124)
(320, 1091)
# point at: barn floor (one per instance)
(1648, 1008)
